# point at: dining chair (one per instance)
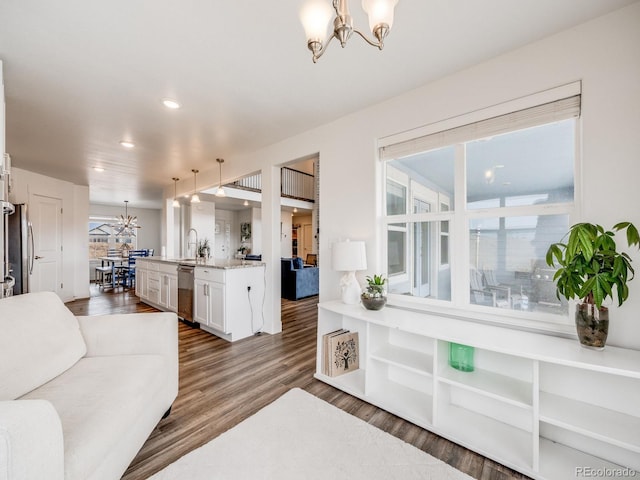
(127, 273)
(312, 259)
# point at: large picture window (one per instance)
(102, 238)
(471, 211)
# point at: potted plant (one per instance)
(589, 268)
(204, 250)
(374, 296)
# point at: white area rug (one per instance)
(301, 437)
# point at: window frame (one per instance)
(112, 239)
(460, 218)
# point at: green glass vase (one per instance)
(461, 357)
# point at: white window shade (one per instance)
(546, 113)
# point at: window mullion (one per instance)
(458, 238)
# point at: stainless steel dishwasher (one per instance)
(185, 293)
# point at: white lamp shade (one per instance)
(349, 256)
(315, 17)
(379, 11)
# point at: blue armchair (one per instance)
(297, 281)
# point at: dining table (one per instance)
(112, 262)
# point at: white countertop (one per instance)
(209, 262)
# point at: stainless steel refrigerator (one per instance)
(20, 248)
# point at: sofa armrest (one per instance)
(31, 442)
(134, 334)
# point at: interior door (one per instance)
(223, 240)
(46, 217)
(307, 240)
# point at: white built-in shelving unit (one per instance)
(539, 404)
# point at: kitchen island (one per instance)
(223, 297)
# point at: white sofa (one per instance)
(79, 396)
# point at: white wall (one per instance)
(285, 239)
(244, 216)
(602, 53)
(256, 231)
(75, 225)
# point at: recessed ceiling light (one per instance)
(172, 104)
(98, 169)
(126, 144)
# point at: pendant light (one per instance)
(195, 198)
(220, 192)
(176, 203)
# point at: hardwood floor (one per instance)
(223, 383)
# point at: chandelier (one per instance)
(126, 226)
(316, 15)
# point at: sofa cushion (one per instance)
(99, 400)
(39, 339)
(298, 263)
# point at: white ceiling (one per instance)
(82, 75)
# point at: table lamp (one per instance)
(348, 257)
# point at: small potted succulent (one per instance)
(374, 296)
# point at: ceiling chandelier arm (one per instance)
(379, 44)
(317, 48)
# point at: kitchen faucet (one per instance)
(195, 253)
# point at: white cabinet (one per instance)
(141, 280)
(200, 301)
(171, 291)
(153, 286)
(541, 405)
(228, 302)
(217, 317)
(168, 297)
(157, 284)
(209, 299)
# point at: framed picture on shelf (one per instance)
(245, 231)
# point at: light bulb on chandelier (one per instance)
(316, 14)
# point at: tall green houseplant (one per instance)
(590, 266)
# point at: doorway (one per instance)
(46, 217)
(222, 243)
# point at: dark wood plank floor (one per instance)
(223, 383)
